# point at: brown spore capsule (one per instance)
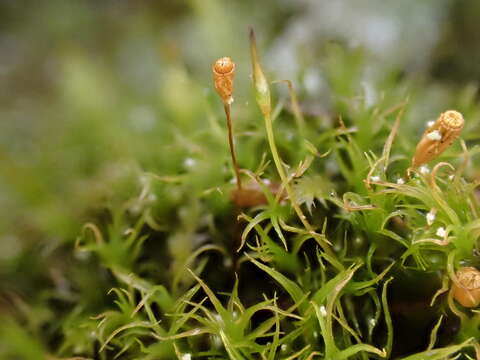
(466, 288)
(224, 65)
(438, 137)
(451, 120)
(223, 75)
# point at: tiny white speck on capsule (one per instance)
(424, 170)
(434, 135)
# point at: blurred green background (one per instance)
(93, 93)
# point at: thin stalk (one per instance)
(264, 102)
(281, 172)
(226, 106)
(223, 74)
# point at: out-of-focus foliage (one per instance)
(117, 232)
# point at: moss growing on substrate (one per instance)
(349, 253)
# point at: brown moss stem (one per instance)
(226, 106)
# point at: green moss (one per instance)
(128, 243)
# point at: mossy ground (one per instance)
(121, 238)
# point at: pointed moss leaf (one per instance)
(433, 334)
(440, 353)
(252, 223)
(131, 325)
(291, 287)
(388, 318)
(355, 286)
(321, 294)
(244, 319)
(354, 349)
(224, 314)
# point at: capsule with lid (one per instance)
(466, 288)
(438, 137)
(224, 65)
(223, 74)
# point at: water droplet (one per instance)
(189, 163)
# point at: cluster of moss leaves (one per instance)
(168, 267)
(196, 280)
